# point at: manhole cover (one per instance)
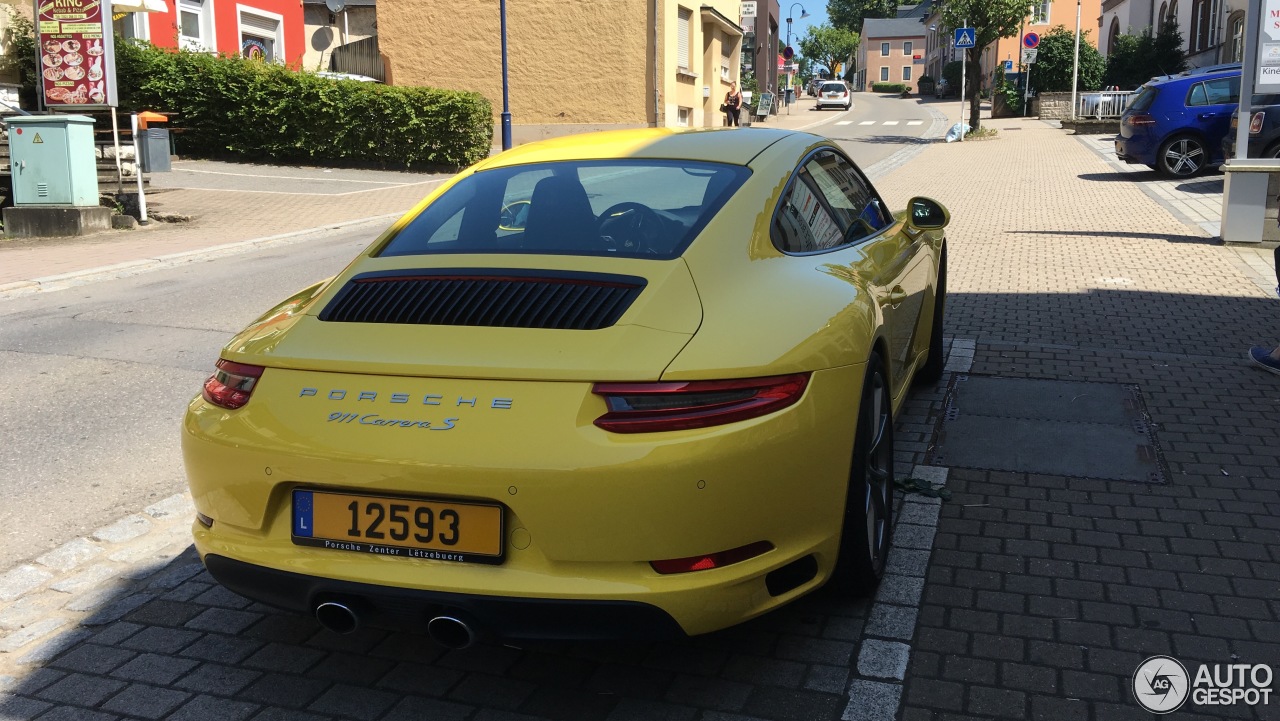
(1062, 428)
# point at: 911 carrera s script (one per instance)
(373, 419)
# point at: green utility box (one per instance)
(52, 160)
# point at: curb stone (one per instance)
(76, 582)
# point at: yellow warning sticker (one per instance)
(37, 139)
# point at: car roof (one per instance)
(1197, 76)
(736, 146)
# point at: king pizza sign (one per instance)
(76, 53)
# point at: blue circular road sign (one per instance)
(1030, 40)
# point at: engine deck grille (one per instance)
(504, 299)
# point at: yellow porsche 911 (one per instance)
(635, 384)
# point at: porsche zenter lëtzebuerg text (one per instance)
(632, 384)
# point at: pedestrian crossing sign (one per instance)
(964, 37)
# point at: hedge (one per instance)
(234, 106)
(256, 109)
(890, 88)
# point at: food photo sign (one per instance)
(76, 52)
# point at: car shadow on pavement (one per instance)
(888, 140)
(175, 644)
(1211, 186)
(1200, 239)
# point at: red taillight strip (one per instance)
(687, 411)
(231, 384)
(712, 560)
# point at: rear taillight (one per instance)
(231, 384)
(1139, 120)
(712, 560)
(1255, 123)
(653, 407)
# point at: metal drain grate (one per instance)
(1063, 428)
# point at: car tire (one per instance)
(848, 107)
(868, 514)
(1182, 156)
(931, 371)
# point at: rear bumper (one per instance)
(410, 609)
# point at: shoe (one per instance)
(1261, 357)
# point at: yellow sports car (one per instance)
(634, 384)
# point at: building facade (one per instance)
(268, 29)
(888, 52)
(573, 65)
(1007, 52)
(1212, 30)
(762, 34)
(325, 30)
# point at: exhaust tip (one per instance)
(451, 632)
(337, 617)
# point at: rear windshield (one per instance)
(833, 88)
(635, 208)
(1146, 96)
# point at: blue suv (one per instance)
(1176, 124)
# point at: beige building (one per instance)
(892, 51)
(574, 65)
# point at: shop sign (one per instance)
(77, 53)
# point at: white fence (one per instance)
(1105, 104)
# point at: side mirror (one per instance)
(928, 214)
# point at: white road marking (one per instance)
(844, 122)
(890, 122)
(867, 122)
(915, 122)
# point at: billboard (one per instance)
(76, 53)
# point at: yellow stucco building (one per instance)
(573, 65)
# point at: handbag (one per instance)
(724, 108)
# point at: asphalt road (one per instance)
(94, 379)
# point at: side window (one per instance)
(1223, 91)
(859, 211)
(803, 224)
(1197, 96)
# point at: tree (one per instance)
(990, 20)
(828, 46)
(1051, 73)
(849, 14)
(1135, 59)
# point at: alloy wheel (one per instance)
(879, 465)
(1184, 156)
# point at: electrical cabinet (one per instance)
(52, 159)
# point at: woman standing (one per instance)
(732, 105)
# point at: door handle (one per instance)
(896, 296)
(1207, 116)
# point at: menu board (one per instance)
(76, 52)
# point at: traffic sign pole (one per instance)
(965, 39)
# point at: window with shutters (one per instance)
(260, 34)
(684, 26)
(726, 49)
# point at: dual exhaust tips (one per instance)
(448, 631)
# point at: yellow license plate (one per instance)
(406, 527)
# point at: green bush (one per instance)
(255, 109)
(262, 111)
(890, 87)
(951, 73)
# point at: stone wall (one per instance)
(1055, 106)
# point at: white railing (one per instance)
(1103, 104)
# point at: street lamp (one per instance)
(803, 15)
(506, 104)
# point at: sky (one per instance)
(817, 10)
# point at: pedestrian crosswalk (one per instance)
(882, 122)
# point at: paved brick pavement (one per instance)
(1034, 597)
(1044, 593)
